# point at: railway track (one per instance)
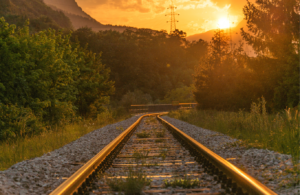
(154, 157)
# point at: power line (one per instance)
(172, 14)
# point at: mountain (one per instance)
(67, 6)
(41, 16)
(78, 17)
(207, 36)
(235, 35)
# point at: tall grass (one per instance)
(278, 132)
(23, 148)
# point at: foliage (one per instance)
(47, 74)
(17, 121)
(182, 94)
(278, 132)
(140, 155)
(41, 16)
(134, 98)
(93, 84)
(222, 80)
(34, 73)
(132, 184)
(274, 35)
(227, 79)
(30, 146)
(150, 61)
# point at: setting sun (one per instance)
(223, 23)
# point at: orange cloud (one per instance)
(142, 6)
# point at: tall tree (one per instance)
(274, 34)
(221, 79)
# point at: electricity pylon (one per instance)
(173, 20)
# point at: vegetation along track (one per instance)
(151, 157)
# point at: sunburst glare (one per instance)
(223, 23)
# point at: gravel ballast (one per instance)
(269, 167)
(41, 175)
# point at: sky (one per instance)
(195, 16)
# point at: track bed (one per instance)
(165, 164)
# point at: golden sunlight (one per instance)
(223, 23)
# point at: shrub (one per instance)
(133, 184)
(18, 121)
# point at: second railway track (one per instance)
(163, 160)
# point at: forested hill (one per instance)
(79, 18)
(41, 16)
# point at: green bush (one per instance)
(47, 77)
(135, 181)
(18, 121)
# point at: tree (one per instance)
(274, 34)
(220, 77)
(93, 84)
(151, 61)
(50, 75)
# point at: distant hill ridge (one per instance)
(69, 6)
(41, 16)
(235, 35)
(79, 18)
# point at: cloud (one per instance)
(141, 6)
(236, 6)
(195, 27)
(159, 6)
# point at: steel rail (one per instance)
(74, 182)
(241, 178)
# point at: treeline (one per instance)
(227, 79)
(50, 77)
(154, 62)
(45, 80)
(53, 77)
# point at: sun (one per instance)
(223, 23)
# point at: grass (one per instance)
(160, 134)
(131, 185)
(139, 155)
(163, 151)
(143, 134)
(278, 132)
(12, 152)
(120, 128)
(184, 183)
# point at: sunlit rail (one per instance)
(229, 175)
